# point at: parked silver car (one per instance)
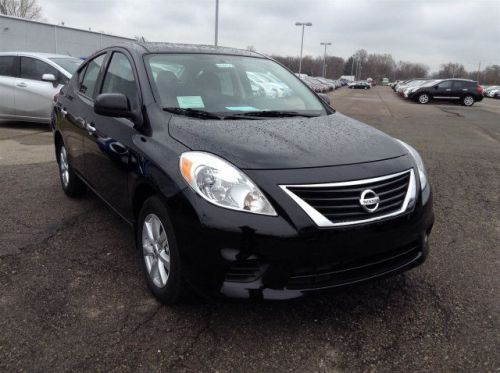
(29, 81)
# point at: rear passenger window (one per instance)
(459, 85)
(7, 66)
(120, 78)
(33, 69)
(446, 84)
(90, 74)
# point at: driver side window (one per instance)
(33, 69)
(120, 78)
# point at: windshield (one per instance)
(228, 85)
(69, 64)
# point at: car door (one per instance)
(443, 90)
(108, 143)
(8, 73)
(76, 106)
(33, 96)
(460, 88)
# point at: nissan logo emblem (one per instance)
(369, 200)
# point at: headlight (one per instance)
(222, 184)
(420, 164)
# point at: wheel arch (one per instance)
(141, 193)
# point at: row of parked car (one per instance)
(320, 84)
(492, 91)
(424, 90)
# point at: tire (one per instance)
(157, 246)
(468, 100)
(71, 184)
(423, 98)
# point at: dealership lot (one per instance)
(72, 295)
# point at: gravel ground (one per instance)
(72, 296)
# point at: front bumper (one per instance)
(244, 255)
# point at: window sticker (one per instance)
(224, 65)
(242, 108)
(187, 102)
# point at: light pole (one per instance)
(324, 58)
(216, 22)
(303, 24)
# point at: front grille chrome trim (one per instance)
(321, 221)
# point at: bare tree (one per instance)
(21, 8)
(451, 70)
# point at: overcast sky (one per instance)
(427, 31)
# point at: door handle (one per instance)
(22, 85)
(90, 127)
(448, 90)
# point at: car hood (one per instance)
(287, 142)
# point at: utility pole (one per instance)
(478, 69)
(303, 24)
(324, 58)
(216, 22)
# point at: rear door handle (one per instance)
(448, 90)
(22, 85)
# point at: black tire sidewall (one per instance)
(171, 293)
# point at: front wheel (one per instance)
(424, 98)
(159, 252)
(468, 100)
(71, 184)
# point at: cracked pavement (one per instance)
(72, 297)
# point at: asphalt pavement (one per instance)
(73, 298)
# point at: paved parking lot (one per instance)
(72, 296)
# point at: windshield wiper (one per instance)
(272, 114)
(192, 113)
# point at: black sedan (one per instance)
(360, 85)
(232, 192)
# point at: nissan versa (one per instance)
(232, 191)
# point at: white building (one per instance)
(19, 34)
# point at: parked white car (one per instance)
(29, 82)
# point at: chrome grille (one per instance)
(337, 204)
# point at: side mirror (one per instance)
(49, 78)
(116, 105)
(436, 87)
(325, 98)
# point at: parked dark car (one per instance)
(231, 192)
(462, 90)
(360, 85)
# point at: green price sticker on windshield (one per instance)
(190, 102)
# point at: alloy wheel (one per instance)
(468, 101)
(156, 250)
(423, 99)
(64, 166)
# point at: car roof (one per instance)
(159, 47)
(36, 54)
